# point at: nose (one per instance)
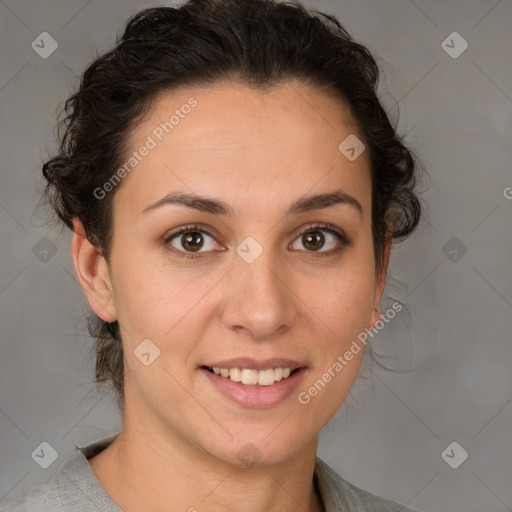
(259, 299)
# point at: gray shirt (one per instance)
(75, 488)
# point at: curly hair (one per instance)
(259, 43)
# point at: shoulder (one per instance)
(74, 487)
(339, 494)
(40, 498)
(59, 495)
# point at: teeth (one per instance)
(251, 377)
(235, 374)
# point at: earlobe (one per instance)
(377, 315)
(92, 272)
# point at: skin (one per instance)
(259, 152)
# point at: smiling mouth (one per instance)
(251, 377)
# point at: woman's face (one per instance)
(257, 281)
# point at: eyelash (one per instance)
(340, 235)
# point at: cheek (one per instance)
(144, 294)
(156, 300)
(341, 312)
(346, 306)
(343, 304)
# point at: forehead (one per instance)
(228, 139)
(229, 112)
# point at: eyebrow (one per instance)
(303, 204)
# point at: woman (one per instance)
(234, 187)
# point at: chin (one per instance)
(258, 451)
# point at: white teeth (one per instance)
(235, 374)
(251, 377)
(266, 377)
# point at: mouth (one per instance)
(253, 377)
(251, 388)
(219, 371)
(212, 369)
(252, 371)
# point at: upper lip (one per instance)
(253, 364)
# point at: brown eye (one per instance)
(313, 240)
(192, 241)
(316, 238)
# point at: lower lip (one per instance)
(255, 396)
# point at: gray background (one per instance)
(450, 351)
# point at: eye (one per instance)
(189, 240)
(314, 239)
(192, 240)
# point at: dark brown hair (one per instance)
(260, 43)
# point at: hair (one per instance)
(258, 43)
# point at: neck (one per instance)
(149, 470)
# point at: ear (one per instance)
(381, 279)
(92, 271)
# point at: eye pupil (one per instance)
(192, 238)
(316, 238)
